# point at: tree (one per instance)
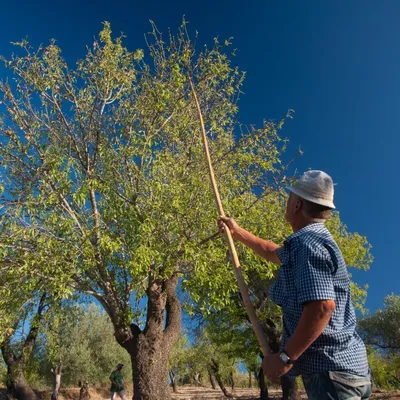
(81, 340)
(213, 359)
(177, 361)
(25, 303)
(102, 175)
(17, 352)
(382, 329)
(385, 369)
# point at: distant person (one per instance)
(313, 289)
(117, 383)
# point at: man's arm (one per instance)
(112, 380)
(264, 248)
(316, 315)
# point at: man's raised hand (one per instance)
(230, 223)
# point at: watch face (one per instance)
(284, 358)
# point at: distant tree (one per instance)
(81, 339)
(382, 329)
(385, 369)
(177, 362)
(18, 341)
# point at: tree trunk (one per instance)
(212, 380)
(149, 349)
(288, 384)
(173, 381)
(16, 382)
(215, 370)
(250, 382)
(263, 386)
(150, 371)
(56, 371)
(197, 379)
(84, 392)
(290, 388)
(232, 381)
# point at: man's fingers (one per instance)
(224, 221)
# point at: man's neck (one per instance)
(296, 226)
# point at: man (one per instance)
(313, 288)
(117, 383)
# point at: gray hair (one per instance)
(314, 210)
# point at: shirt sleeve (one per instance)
(283, 254)
(313, 274)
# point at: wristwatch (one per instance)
(285, 358)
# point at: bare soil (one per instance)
(188, 393)
(196, 393)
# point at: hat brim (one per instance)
(316, 200)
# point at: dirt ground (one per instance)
(195, 393)
(188, 393)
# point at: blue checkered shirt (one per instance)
(313, 268)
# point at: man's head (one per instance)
(311, 198)
(120, 366)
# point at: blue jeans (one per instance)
(335, 385)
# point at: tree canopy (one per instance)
(104, 189)
(382, 329)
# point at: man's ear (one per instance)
(298, 205)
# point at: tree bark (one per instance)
(16, 382)
(232, 381)
(212, 380)
(288, 383)
(149, 349)
(197, 379)
(84, 392)
(215, 370)
(173, 381)
(56, 371)
(150, 371)
(250, 382)
(263, 386)
(290, 388)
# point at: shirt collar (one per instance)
(313, 227)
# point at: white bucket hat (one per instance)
(315, 186)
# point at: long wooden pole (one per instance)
(255, 323)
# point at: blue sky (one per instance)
(337, 64)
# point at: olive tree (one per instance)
(382, 329)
